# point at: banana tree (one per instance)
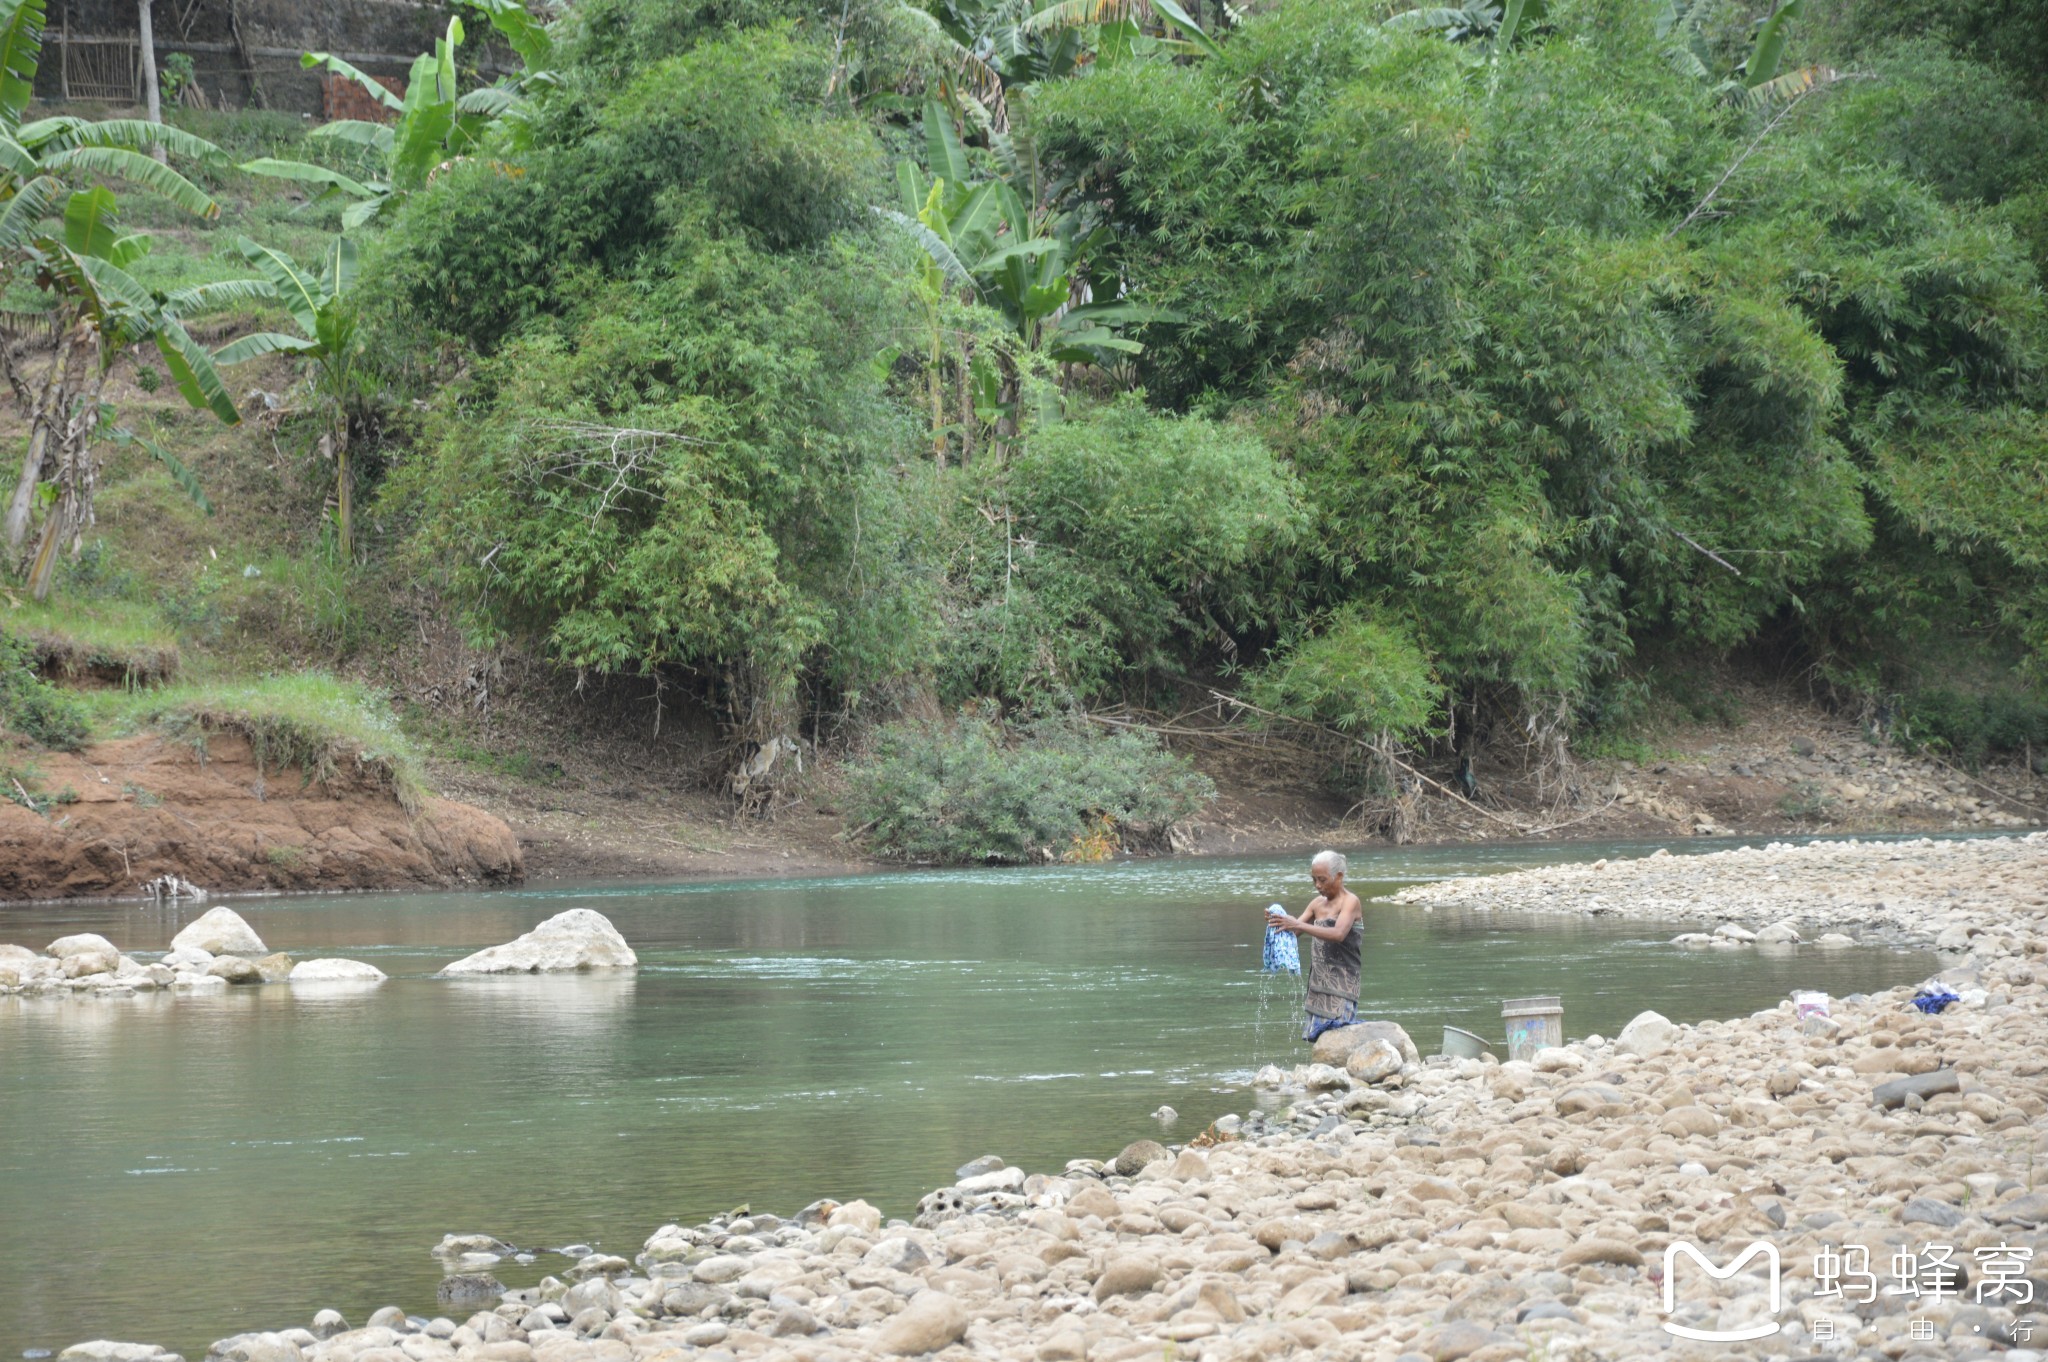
(320, 304)
(432, 122)
(1000, 242)
(430, 127)
(512, 103)
(47, 167)
(111, 312)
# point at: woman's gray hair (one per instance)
(1332, 861)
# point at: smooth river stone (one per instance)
(220, 931)
(578, 939)
(335, 972)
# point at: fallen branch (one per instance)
(1711, 555)
(1736, 164)
(1166, 730)
(2023, 805)
(1360, 742)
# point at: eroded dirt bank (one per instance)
(126, 811)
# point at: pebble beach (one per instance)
(1377, 1203)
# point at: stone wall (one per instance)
(244, 51)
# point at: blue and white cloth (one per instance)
(1283, 955)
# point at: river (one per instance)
(174, 1169)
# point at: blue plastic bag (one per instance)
(1283, 954)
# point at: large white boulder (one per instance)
(336, 972)
(85, 943)
(1651, 1033)
(1334, 1048)
(576, 940)
(220, 931)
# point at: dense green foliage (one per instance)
(1971, 726)
(842, 361)
(1470, 370)
(971, 791)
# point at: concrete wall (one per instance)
(380, 36)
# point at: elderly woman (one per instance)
(1334, 919)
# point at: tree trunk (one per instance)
(44, 414)
(242, 54)
(967, 422)
(152, 96)
(344, 490)
(77, 479)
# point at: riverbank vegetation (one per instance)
(1436, 381)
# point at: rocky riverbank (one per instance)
(1424, 1209)
(1943, 893)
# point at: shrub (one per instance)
(32, 706)
(1360, 676)
(976, 792)
(1140, 540)
(1972, 727)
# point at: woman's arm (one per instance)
(1303, 927)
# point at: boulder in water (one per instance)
(576, 940)
(335, 972)
(85, 943)
(221, 931)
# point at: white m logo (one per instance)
(1768, 1327)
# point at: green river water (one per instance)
(174, 1169)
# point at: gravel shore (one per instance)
(1439, 1209)
(1920, 890)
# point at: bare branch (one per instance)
(1713, 556)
